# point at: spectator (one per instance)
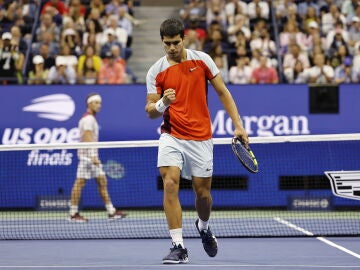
(11, 60)
(61, 73)
(54, 13)
(200, 32)
(310, 16)
(240, 51)
(215, 39)
(348, 7)
(339, 34)
(239, 25)
(283, 7)
(65, 53)
(241, 73)
(18, 39)
(192, 41)
(89, 74)
(71, 38)
(339, 56)
(295, 54)
(292, 16)
(93, 27)
(330, 18)
(49, 60)
(258, 9)
(241, 40)
(291, 34)
(111, 72)
(38, 74)
(47, 25)
(76, 15)
(304, 7)
(265, 44)
(113, 6)
(354, 32)
(126, 24)
(264, 74)
(224, 71)
(98, 5)
(234, 8)
(91, 41)
(48, 39)
(111, 40)
(130, 75)
(57, 4)
(95, 63)
(320, 73)
(296, 74)
(344, 73)
(120, 33)
(215, 12)
(195, 10)
(256, 59)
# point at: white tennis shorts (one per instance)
(87, 170)
(194, 158)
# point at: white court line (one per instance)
(151, 266)
(322, 239)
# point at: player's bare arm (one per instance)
(155, 105)
(230, 107)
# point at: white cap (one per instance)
(69, 32)
(110, 31)
(60, 61)
(313, 24)
(38, 59)
(6, 35)
(355, 19)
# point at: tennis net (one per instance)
(289, 196)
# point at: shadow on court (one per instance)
(234, 253)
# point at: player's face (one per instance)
(95, 106)
(173, 47)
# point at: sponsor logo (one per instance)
(57, 107)
(309, 203)
(264, 125)
(49, 158)
(345, 184)
(53, 202)
(192, 69)
(29, 135)
(114, 169)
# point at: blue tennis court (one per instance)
(234, 253)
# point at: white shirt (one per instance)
(315, 71)
(264, 10)
(240, 76)
(88, 123)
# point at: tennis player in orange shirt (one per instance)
(177, 86)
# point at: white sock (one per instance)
(73, 210)
(110, 208)
(176, 236)
(203, 225)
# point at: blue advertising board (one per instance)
(50, 114)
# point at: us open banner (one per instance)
(49, 114)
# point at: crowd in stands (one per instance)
(291, 41)
(67, 42)
(251, 41)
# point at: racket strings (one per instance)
(246, 156)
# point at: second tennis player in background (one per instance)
(177, 91)
(89, 164)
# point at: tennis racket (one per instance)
(245, 155)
